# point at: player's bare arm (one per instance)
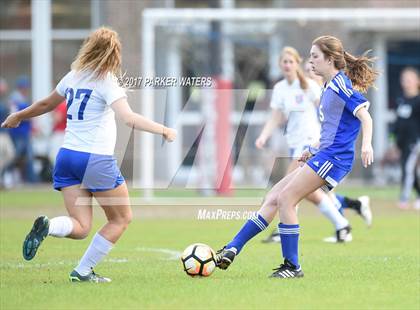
(38, 108)
(309, 152)
(276, 119)
(367, 150)
(139, 122)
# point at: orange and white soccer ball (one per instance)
(198, 259)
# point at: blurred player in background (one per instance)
(22, 136)
(294, 102)
(407, 134)
(7, 150)
(85, 166)
(343, 110)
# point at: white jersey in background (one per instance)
(90, 120)
(297, 105)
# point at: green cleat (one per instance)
(91, 277)
(35, 237)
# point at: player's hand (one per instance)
(169, 134)
(12, 121)
(305, 156)
(367, 155)
(260, 142)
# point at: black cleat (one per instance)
(344, 234)
(341, 236)
(35, 237)
(224, 257)
(287, 270)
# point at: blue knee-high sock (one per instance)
(289, 235)
(252, 227)
(343, 203)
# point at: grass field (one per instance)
(380, 269)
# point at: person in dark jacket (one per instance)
(407, 135)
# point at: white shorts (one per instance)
(296, 152)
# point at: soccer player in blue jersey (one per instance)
(343, 110)
(85, 167)
(295, 100)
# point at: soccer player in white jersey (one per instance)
(294, 102)
(85, 166)
(343, 110)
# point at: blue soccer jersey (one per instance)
(339, 124)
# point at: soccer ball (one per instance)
(198, 260)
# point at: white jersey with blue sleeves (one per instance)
(339, 125)
(91, 124)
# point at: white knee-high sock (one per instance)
(337, 203)
(326, 206)
(60, 226)
(97, 250)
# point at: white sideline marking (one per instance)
(172, 254)
(116, 260)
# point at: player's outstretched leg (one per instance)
(35, 237)
(256, 224)
(75, 226)
(252, 227)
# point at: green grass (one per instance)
(380, 269)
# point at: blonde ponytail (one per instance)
(302, 79)
(100, 53)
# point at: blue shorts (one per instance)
(94, 172)
(326, 167)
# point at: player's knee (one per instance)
(82, 231)
(312, 198)
(284, 200)
(271, 201)
(128, 218)
(315, 197)
(123, 220)
(83, 234)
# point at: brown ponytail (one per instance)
(358, 69)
